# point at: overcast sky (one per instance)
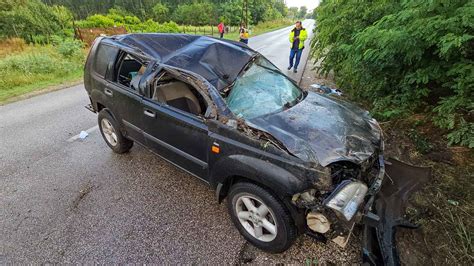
(310, 4)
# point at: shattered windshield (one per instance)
(262, 90)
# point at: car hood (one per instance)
(323, 130)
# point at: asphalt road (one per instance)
(276, 47)
(66, 200)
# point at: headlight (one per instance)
(346, 198)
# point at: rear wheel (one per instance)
(111, 133)
(261, 218)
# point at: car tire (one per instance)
(111, 133)
(247, 220)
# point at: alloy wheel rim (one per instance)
(256, 217)
(109, 132)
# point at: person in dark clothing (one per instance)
(297, 38)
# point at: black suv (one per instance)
(288, 161)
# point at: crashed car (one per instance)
(287, 161)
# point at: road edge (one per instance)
(48, 89)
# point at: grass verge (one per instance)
(37, 67)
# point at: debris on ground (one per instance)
(325, 89)
(83, 134)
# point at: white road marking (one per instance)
(76, 137)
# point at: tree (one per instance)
(293, 12)
(302, 12)
(231, 12)
(32, 20)
(403, 57)
(195, 14)
(160, 12)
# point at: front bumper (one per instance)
(385, 211)
(382, 211)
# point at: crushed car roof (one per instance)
(218, 61)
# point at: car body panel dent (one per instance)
(200, 54)
(280, 180)
(324, 130)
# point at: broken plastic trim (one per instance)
(379, 247)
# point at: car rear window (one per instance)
(104, 55)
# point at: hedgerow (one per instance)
(403, 58)
(131, 23)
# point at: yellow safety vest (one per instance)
(303, 35)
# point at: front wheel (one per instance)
(261, 218)
(111, 133)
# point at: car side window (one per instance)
(178, 94)
(104, 55)
(130, 71)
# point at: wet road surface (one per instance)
(276, 47)
(65, 200)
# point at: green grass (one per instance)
(46, 82)
(261, 28)
(36, 68)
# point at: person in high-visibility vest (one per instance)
(243, 34)
(297, 37)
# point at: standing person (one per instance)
(221, 29)
(244, 34)
(297, 37)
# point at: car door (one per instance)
(178, 136)
(127, 101)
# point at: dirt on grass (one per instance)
(444, 207)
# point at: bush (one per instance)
(68, 47)
(35, 66)
(403, 58)
(98, 21)
(131, 23)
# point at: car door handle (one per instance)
(108, 92)
(149, 113)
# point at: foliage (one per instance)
(302, 12)
(132, 23)
(151, 26)
(403, 57)
(69, 47)
(160, 12)
(195, 14)
(202, 11)
(231, 13)
(32, 20)
(36, 66)
(99, 21)
(420, 142)
(293, 12)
